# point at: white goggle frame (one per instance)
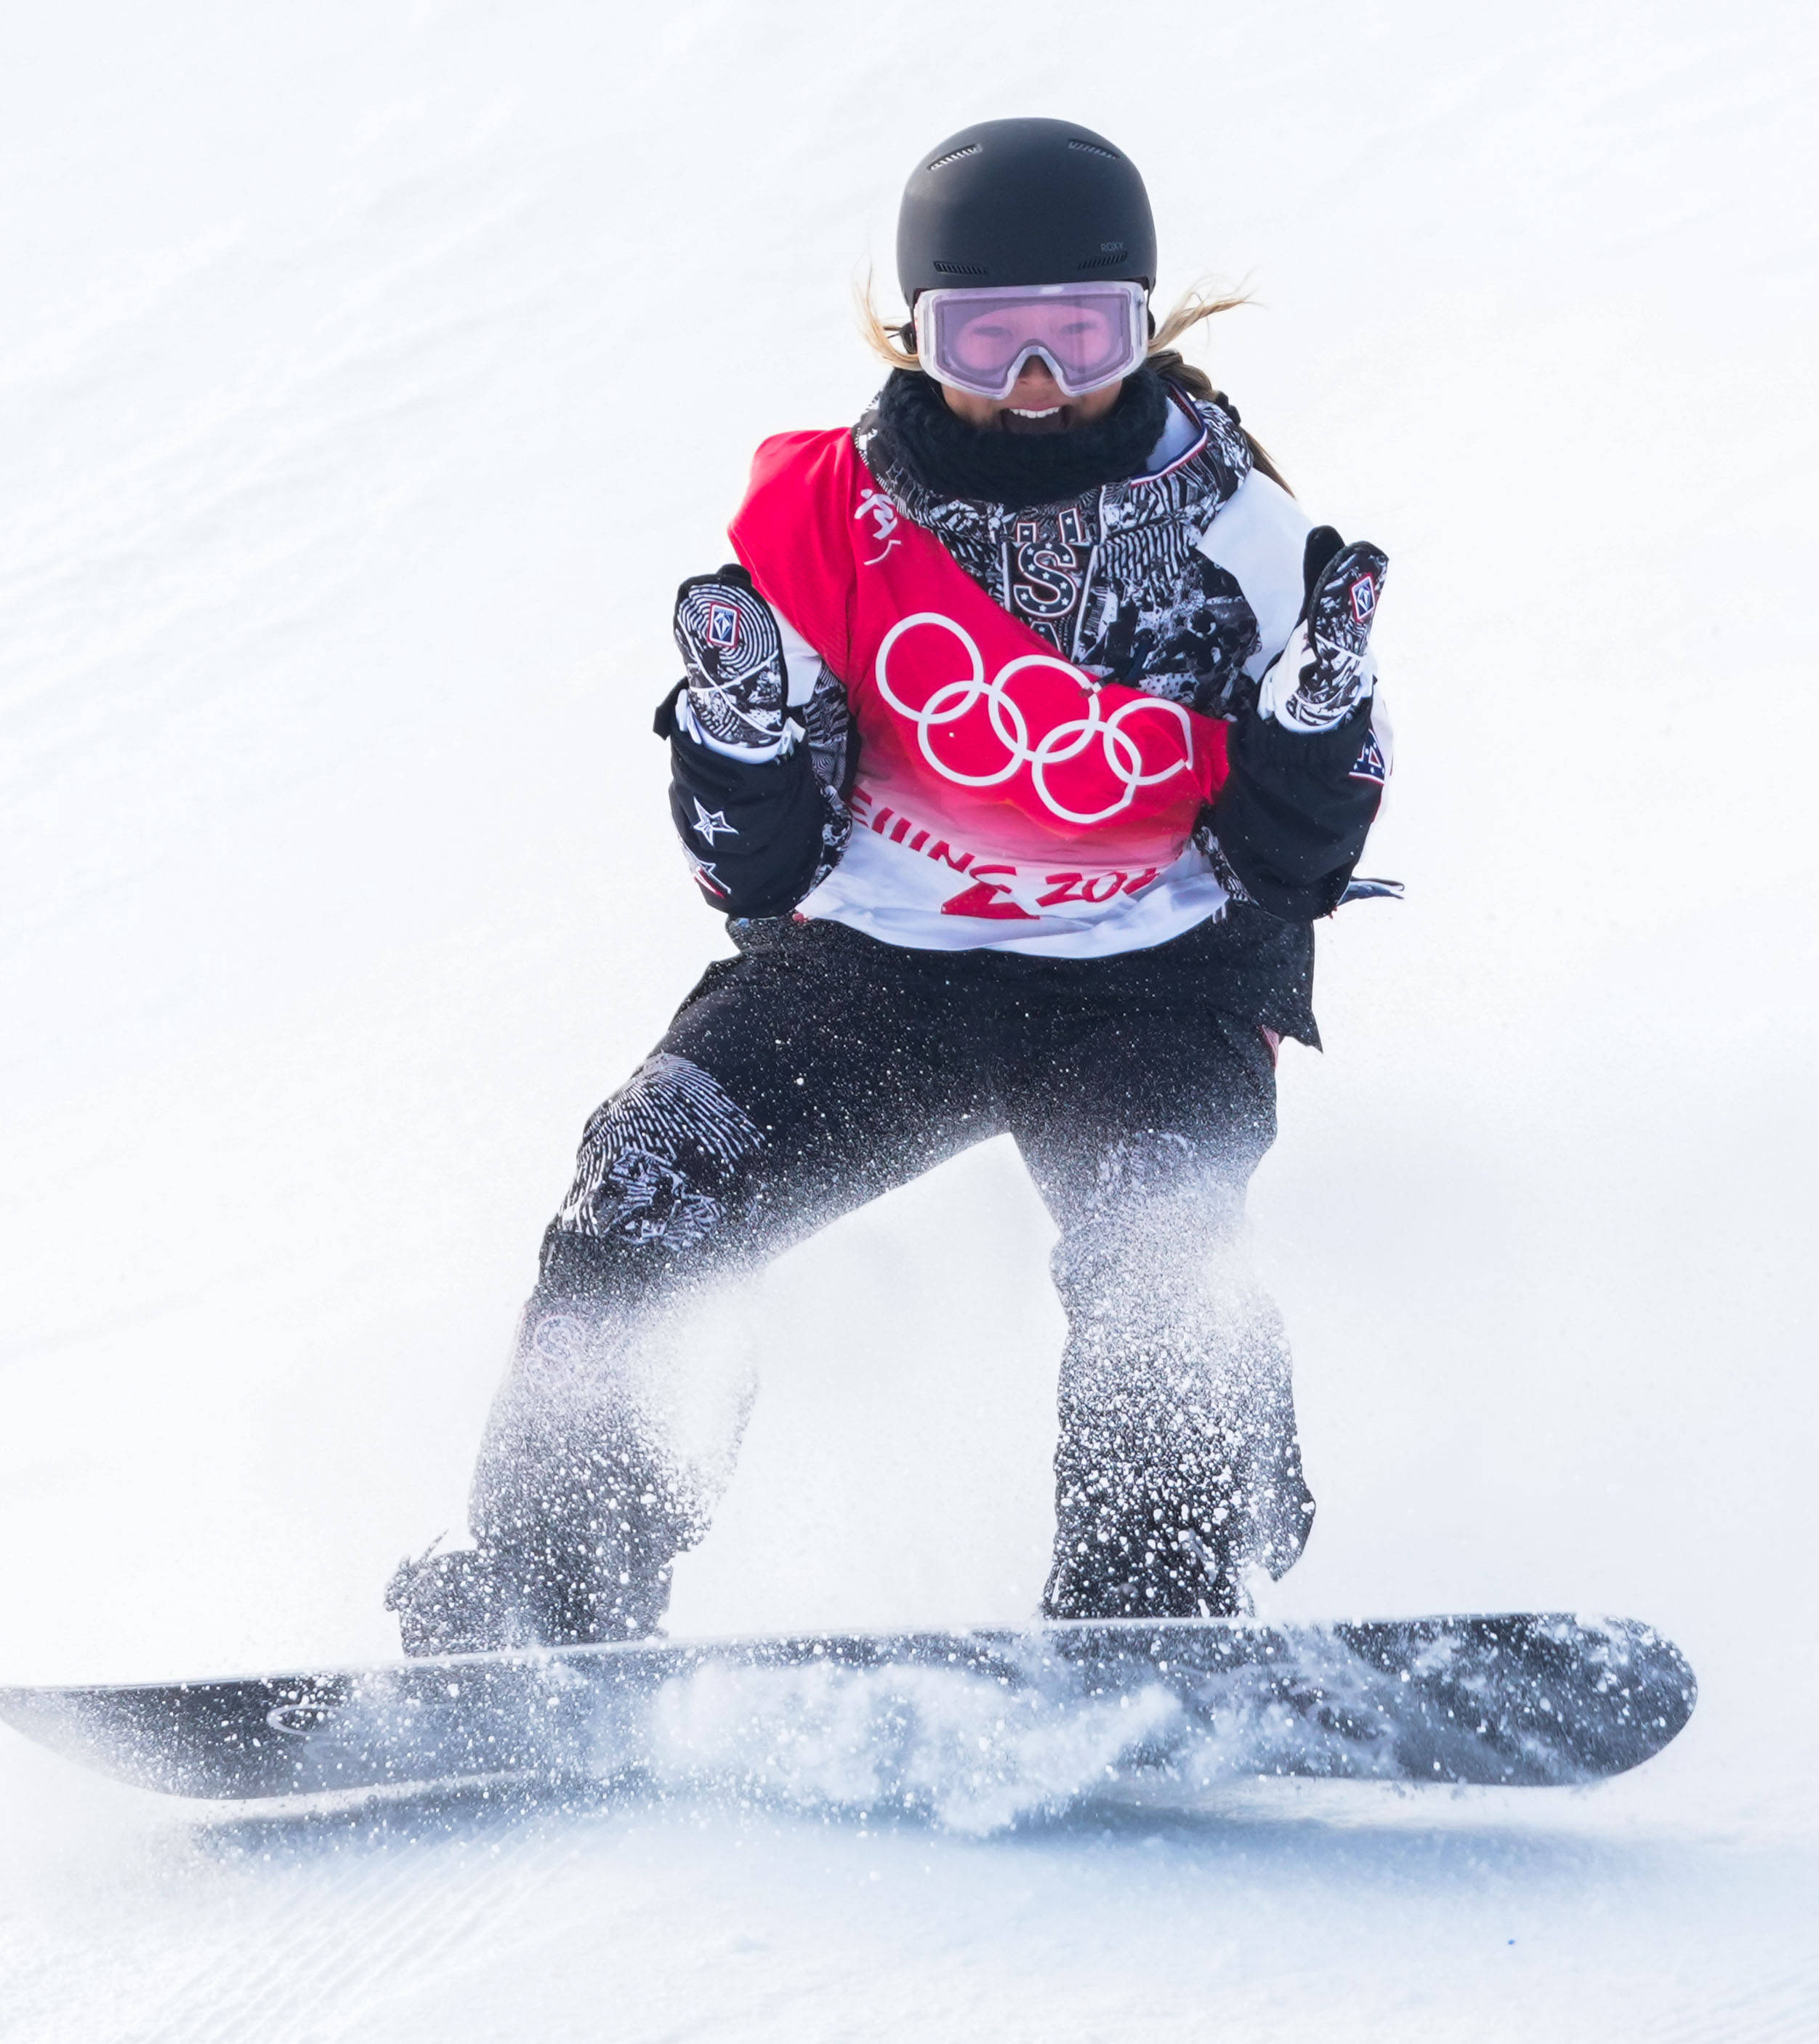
(1132, 303)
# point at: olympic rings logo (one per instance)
(1120, 751)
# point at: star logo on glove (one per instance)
(710, 824)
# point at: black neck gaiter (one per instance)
(946, 454)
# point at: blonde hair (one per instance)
(1198, 304)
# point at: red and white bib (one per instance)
(1004, 797)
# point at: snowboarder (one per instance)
(1021, 746)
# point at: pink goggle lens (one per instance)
(1089, 335)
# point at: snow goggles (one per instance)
(1089, 335)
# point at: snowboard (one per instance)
(1522, 1699)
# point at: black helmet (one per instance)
(1024, 202)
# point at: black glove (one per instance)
(736, 688)
(1326, 669)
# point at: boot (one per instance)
(478, 1601)
(1105, 1572)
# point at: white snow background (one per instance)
(369, 375)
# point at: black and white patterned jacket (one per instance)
(1181, 575)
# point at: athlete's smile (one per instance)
(1037, 404)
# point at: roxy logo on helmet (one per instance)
(1109, 750)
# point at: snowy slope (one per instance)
(369, 375)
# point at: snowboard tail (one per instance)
(1521, 1699)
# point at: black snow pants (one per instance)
(802, 1079)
